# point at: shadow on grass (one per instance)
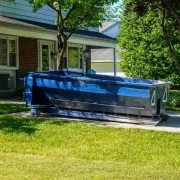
(10, 124)
(7, 108)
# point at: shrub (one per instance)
(145, 52)
(174, 99)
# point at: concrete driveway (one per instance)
(171, 125)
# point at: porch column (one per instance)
(83, 59)
(114, 50)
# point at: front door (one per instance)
(46, 63)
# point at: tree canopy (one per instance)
(170, 7)
(74, 14)
(112, 13)
(170, 19)
(149, 49)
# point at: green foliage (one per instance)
(45, 59)
(74, 14)
(145, 52)
(73, 57)
(170, 7)
(77, 13)
(112, 13)
(174, 99)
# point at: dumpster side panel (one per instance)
(138, 106)
(137, 100)
(97, 93)
(159, 98)
(87, 95)
(80, 100)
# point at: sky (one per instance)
(116, 15)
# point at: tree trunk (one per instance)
(61, 55)
(168, 40)
(62, 46)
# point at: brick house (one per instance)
(27, 40)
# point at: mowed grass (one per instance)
(173, 108)
(7, 108)
(35, 148)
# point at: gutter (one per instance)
(40, 29)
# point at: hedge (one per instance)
(174, 98)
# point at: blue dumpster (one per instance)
(96, 96)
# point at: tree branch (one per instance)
(88, 12)
(61, 31)
(171, 48)
(51, 6)
(173, 13)
(71, 33)
(70, 11)
(58, 11)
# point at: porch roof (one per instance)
(33, 24)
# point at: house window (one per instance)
(73, 58)
(8, 52)
(3, 52)
(12, 53)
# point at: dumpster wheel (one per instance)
(164, 117)
(35, 112)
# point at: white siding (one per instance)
(106, 68)
(23, 10)
(104, 55)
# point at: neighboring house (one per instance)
(27, 40)
(102, 60)
(110, 28)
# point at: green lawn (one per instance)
(6, 108)
(173, 108)
(33, 148)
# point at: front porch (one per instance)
(27, 46)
